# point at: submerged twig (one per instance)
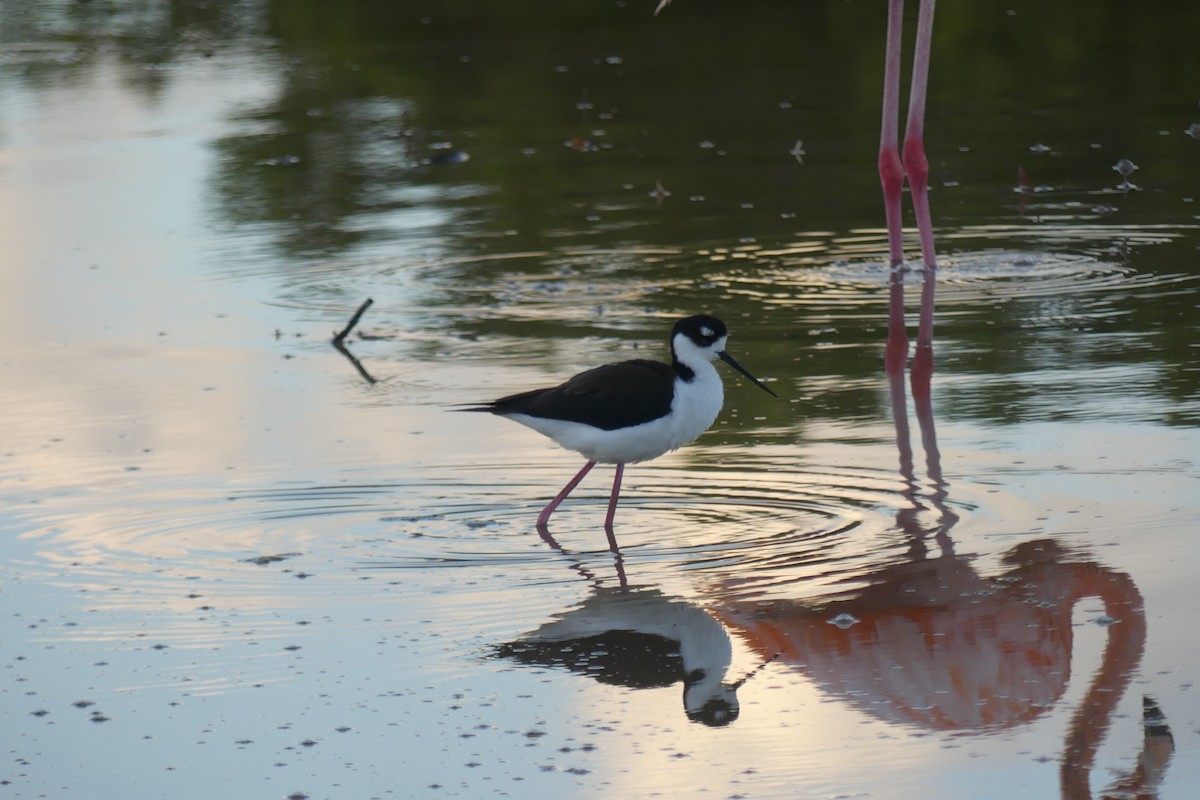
(339, 342)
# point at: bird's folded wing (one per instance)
(612, 396)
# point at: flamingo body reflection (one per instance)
(942, 647)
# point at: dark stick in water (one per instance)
(339, 342)
(338, 338)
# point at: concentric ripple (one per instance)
(772, 525)
(762, 516)
(964, 279)
(1069, 272)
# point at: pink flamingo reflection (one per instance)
(931, 642)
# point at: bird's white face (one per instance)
(688, 351)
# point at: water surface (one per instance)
(232, 564)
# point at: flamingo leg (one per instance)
(891, 172)
(544, 517)
(891, 176)
(916, 166)
(893, 169)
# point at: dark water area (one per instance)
(234, 561)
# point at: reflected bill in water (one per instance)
(640, 638)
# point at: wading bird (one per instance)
(630, 411)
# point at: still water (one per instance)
(237, 563)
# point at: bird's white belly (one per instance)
(693, 411)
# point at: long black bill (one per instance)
(728, 359)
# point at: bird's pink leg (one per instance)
(612, 506)
(544, 517)
(916, 166)
(891, 176)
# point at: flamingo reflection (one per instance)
(933, 643)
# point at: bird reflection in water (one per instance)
(640, 638)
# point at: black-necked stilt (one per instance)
(630, 411)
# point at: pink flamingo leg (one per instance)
(891, 176)
(916, 166)
(891, 172)
(544, 517)
(612, 505)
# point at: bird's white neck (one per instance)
(693, 357)
(698, 395)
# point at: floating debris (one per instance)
(1024, 185)
(262, 561)
(660, 193)
(451, 157)
(844, 621)
(1125, 168)
(798, 151)
(280, 161)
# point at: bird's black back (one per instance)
(609, 397)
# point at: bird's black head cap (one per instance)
(703, 329)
